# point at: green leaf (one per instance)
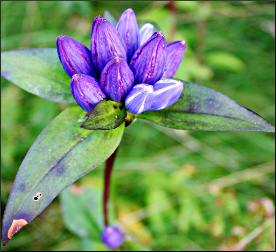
(201, 108)
(37, 71)
(225, 61)
(61, 154)
(82, 211)
(106, 115)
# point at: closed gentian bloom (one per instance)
(162, 94)
(146, 32)
(174, 56)
(128, 28)
(86, 91)
(112, 237)
(74, 56)
(166, 93)
(106, 43)
(148, 62)
(125, 64)
(137, 100)
(116, 79)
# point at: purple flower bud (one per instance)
(74, 56)
(174, 56)
(106, 43)
(146, 32)
(162, 94)
(148, 61)
(112, 237)
(116, 79)
(166, 93)
(86, 91)
(128, 28)
(137, 100)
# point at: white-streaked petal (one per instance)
(136, 101)
(166, 93)
(162, 94)
(146, 32)
(174, 55)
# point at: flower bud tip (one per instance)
(112, 237)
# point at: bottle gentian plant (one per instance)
(127, 74)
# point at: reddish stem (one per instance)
(172, 6)
(172, 10)
(107, 178)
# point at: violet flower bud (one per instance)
(86, 91)
(162, 94)
(116, 79)
(166, 93)
(137, 100)
(146, 32)
(106, 43)
(112, 237)
(148, 61)
(174, 56)
(128, 28)
(74, 56)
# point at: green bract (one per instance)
(106, 115)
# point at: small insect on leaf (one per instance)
(37, 196)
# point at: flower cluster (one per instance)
(124, 64)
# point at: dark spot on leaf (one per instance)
(60, 169)
(211, 105)
(193, 108)
(21, 187)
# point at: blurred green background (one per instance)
(171, 190)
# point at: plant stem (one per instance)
(107, 178)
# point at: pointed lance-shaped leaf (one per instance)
(201, 108)
(86, 91)
(61, 154)
(116, 79)
(174, 55)
(148, 62)
(41, 74)
(74, 56)
(106, 43)
(128, 28)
